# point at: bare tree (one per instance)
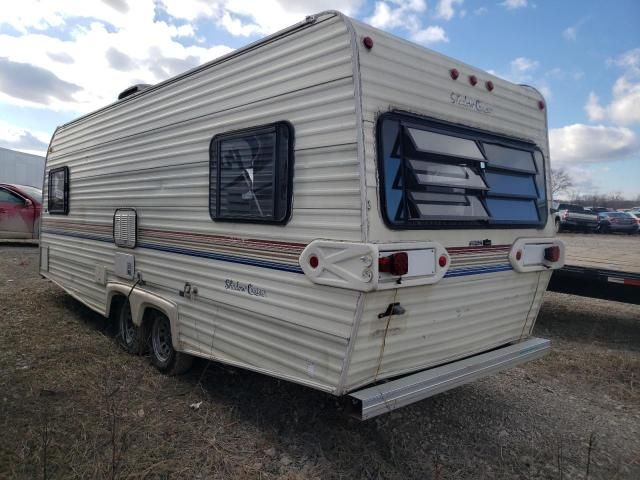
(560, 181)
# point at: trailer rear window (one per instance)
(251, 174)
(436, 175)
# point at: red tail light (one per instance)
(395, 264)
(552, 254)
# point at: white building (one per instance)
(21, 168)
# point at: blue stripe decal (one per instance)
(193, 253)
(100, 238)
(454, 272)
(224, 258)
(461, 272)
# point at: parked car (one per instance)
(599, 209)
(20, 209)
(617, 222)
(576, 217)
(555, 215)
(636, 216)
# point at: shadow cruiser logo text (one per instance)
(470, 103)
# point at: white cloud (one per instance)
(523, 65)
(524, 70)
(514, 4)
(594, 110)
(384, 16)
(24, 140)
(579, 143)
(446, 9)
(237, 28)
(392, 14)
(106, 50)
(570, 33)
(190, 9)
(629, 60)
(481, 10)
(248, 17)
(429, 35)
(624, 108)
(545, 90)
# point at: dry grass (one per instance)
(73, 405)
(597, 345)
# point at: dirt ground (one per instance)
(74, 405)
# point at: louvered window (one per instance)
(435, 175)
(125, 227)
(251, 174)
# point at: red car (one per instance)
(20, 208)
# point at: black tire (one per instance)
(557, 226)
(163, 356)
(132, 338)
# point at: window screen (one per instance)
(58, 193)
(251, 174)
(436, 175)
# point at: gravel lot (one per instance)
(74, 405)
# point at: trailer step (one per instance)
(385, 397)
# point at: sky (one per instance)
(60, 59)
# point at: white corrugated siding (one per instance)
(452, 319)
(457, 316)
(399, 75)
(151, 153)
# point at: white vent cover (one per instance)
(125, 223)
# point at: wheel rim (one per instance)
(162, 346)
(127, 327)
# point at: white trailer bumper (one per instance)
(384, 397)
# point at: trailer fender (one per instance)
(140, 300)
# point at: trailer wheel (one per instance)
(132, 338)
(163, 355)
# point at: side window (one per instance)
(8, 197)
(58, 193)
(251, 174)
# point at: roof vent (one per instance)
(133, 89)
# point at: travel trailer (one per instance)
(331, 205)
